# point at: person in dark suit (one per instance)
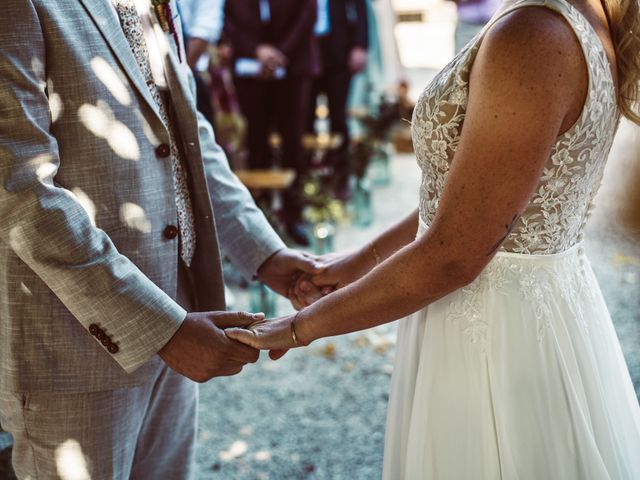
(275, 56)
(342, 34)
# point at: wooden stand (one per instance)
(260, 180)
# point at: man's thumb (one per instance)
(309, 265)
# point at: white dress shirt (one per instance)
(202, 19)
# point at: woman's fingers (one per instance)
(307, 292)
(241, 335)
(327, 290)
(272, 334)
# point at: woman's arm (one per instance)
(528, 84)
(394, 238)
(341, 269)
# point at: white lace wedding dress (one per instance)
(520, 374)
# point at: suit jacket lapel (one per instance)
(108, 24)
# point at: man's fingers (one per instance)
(277, 354)
(293, 298)
(228, 372)
(241, 351)
(307, 264)
(324, 279)
(235, 319)
(296, 302)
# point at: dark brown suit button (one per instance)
(100, 335)
(163, 150)
(93, 329)
(113, 348)
(170, 232)
(106, 341)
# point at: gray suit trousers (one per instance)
(144, 432)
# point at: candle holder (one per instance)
(322, 237)
(379, 171)
(361, 202)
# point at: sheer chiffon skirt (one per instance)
(519, 375)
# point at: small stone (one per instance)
(361, 342)
(262, 456)
(270, 366)
(237, 449)
(308, 468)
(348, 366)
(329, 351)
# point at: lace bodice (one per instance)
(557, 213)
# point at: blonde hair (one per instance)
(624, 23)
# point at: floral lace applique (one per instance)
(540, 285)
(556, 216)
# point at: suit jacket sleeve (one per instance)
(206, 20)
(46, 225)
(299, 35)
(244, 233)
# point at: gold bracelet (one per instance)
(376, 255)
(294, 337)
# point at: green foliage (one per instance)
(320, 204)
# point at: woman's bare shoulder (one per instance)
(534, 49)
(535, 26)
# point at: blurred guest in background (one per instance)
(342, 32)
(368, 87)
(275, 56)
(202, 22)
(472, 16)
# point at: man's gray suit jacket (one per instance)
(86, 197)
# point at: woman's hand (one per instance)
(277, 335)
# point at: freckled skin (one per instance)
(527, 86)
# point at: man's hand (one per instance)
(200, 350)
(282, 269)
(271, 58)
(357, 59)
(340, 269)
(195, 49)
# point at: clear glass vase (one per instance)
(379, 172)
(362, 205)
(262, 299)
(322, 238)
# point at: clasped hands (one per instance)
(212, 344)
(280, 334)
(270, 58)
